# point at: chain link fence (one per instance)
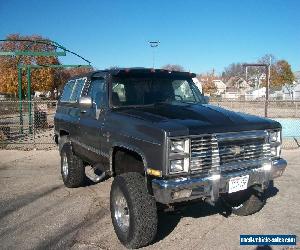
(29, 125)
(285, 112)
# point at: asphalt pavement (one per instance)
(38, 212)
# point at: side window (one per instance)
(98, 92)
(183, 90)
(77, 89)
(68, 89)
(118, 89)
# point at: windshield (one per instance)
(139, 91)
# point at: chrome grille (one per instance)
(228, 150)
(237, 152)
(204, 153)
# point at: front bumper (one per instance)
(168, 191)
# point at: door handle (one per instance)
(107, 134)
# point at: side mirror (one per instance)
(85, 102)
(206, 99)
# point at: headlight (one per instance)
(179, 165)
(275, 136)
(179, 155)
(179, 146)
(275, 142)
(275, 151)
(176, 166)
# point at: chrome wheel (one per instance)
(94, 175)
(65, 166)
(121, 210)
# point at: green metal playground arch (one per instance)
(59, 50)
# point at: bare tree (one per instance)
(173, 67)
(254, 74)
(267, 58)
(233, 70)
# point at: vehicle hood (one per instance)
(192, 119)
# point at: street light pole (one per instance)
(153, 45)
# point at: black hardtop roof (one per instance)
(134, 71)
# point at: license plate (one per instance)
(238, 183)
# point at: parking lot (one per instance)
(37, 211)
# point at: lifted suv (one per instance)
(153, 131)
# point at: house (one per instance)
(255, 81)
(297, 91)
(291, 91)
(275, 93)
(237, 87)
(220, 87)
(297, 76)
(255, 94)
(287, 92)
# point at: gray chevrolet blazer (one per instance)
(153, 131)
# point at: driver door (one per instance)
(91, 121)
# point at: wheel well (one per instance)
(63, 133)
(125, 160)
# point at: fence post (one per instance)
(20, 99)
(34, 125)
(29, 99)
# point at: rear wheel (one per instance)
(245, 202)
(133, 210)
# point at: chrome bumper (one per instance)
(168, 191)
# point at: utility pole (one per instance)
(153, 45)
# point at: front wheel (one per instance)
(133, 210)
(245, 202)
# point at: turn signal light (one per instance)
(153, 172)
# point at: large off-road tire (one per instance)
(72, 168)
(62, 140)
(245, 202)
(133, 210)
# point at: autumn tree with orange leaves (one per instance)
(208, 85)
(42, 79)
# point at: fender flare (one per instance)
(128, 147)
